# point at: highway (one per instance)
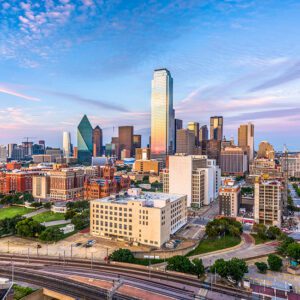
(63, 275)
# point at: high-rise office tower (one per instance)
(85, 141)
(97, 141)
(177, 126)
(43, 145)
(246, 139)
(162, 114)
(194, 127)
(203, 133)
(126, 139)
(216, 128)
(137, 141)
(185, 141)
(3, 153)
(67, 144)
(11, 148)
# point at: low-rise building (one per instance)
(136, 216)
(147, 166)
(68, 228)
(59, 207)
(263, 166)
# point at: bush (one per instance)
(293, 251)
(274, 262)
(122, 255)
(47, 205)
(261, 267)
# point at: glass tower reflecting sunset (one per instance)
(162, 114)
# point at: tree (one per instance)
(51, 234)
(220, 267)
(82, 220)
(237, 269)
(261, 230)
(274, 262)
(36, 204)
(8, 225)
(180, 263)
(273, 232)
(293, 251)
(220, 227)
(70, 214)
(198, 267)
(261, 267)
(282, 249)
(234, 268)
(29, 228)
(122, 255)
(47, 205)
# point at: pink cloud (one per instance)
(17, 94)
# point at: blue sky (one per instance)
(60, 59)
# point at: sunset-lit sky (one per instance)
(60, 59)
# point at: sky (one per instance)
(61, 59)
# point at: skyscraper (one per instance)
(137, 141)
(185, 141)
(97, 141)
(246, 139)
(162, 114)
(203, 133)
(178, 125)
(216, 128)
(194, 127)
(85, 141)
(67, 144)
(126, 139)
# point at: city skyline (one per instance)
(225, 59)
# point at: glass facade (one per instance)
(85, 141)
(162, 114)
(216, 128)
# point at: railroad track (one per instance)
(131, 272)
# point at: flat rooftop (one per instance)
(148, 197)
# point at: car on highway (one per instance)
(78, 244)
(91, 242)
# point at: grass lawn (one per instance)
(259, 240)
(13, 211)
(210, 245)
(48, 216)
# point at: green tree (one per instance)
(36, 204)
(180, 263)
(261, 230)
(8, 225)
(70, 214)
(273, 232)
(81, 220)
(198, 267)
(47, 205)
(122, 255)
(29, 228)
(51, 234)
(293, 251)
(274, 262)
(220, 267)
(282, 249)
(261, 267)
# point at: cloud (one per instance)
(87, 101)
(17, 94)
(291, 74)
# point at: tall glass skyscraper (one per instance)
(85, 141)
(67, 144)
(162, 114)
(216, 128)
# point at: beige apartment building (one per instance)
(268, 202)
(136, 216)
(229, 200)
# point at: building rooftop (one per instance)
(149, 199)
